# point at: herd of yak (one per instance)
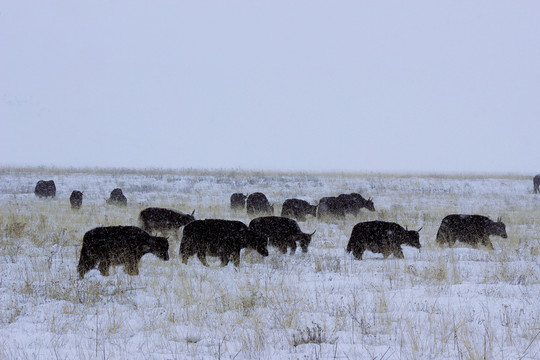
(125, 245)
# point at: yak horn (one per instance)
(419, 229)
(313, 233)
(193, 212)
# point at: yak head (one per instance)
(413, 238)
(304, 240)
(158, 246)
(369, 204)
(498, 228)
(257, 242)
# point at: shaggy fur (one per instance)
(160, 219)
(298, 209)
(45, 189)
(238, 201)
(76, 199)
(119, 245)
(381, 237)
(281, 232)
(257, 204)
(222, 238)
(470, 229)
(117, 198)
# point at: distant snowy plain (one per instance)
(436, 303)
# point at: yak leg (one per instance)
(282, 247)
(202, 258)
(104, 266)
(85, 265)
(357, 252)
(131, 267)
(292, 244)
(398, 253)
(487, 243)
(224, 260)
(236, 258)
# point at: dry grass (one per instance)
(453, 303)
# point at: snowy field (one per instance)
(436, 303)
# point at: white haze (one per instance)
(306, 85)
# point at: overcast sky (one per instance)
(415, 86)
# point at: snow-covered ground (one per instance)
(436, 303)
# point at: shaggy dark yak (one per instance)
(281, 232)
(160, 219)
(470, 229)
(536, 184)
(238, 201)
(76, 199)
(222, 238)
(117, 198)
(342, 205)
(119, 245)
(45, 189)
(257, 204)
(298, 209)
(381, 237)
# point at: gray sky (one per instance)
(429, 86)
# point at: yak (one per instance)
(160, 219)
(353, 202)
(470, 229)
(342, 205)
(117, 198)
(298, 209)
(119, 245)
(536, 184)
(222, 238)
(381, 237)
(238, 201)
(45, 189)
(281, 232)
(76, 199)
(257, 204)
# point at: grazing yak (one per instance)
(160, 219)
(221, 238)
(119, 245)
(343, 204)
(281, 232)
(381, 237)
(76, 199)
(117, 198)
(238, 201)
(470, 229)
(45, 189)
(298, 209)
(536, 184)
(257, 204)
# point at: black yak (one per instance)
(45, 189)
(160, 219)
(76, 199)
(298, 209)
(257, 204)
(222, 238)
(470, 229)
(117, 198)
(342, 205)
(281, 232)
(238, 201)
(119, 245)
(536, 184)
(381, 237)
